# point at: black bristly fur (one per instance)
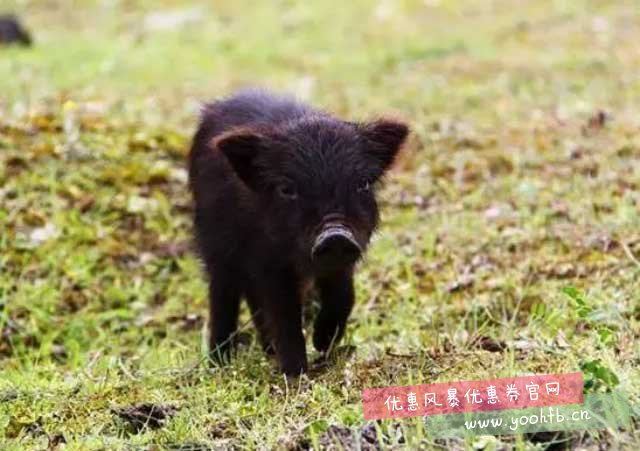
(265, 172)
(12, 31)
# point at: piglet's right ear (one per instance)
(241, 146)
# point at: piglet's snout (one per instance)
(335, 244)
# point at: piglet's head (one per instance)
(316, 180)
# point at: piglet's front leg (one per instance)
(283, 312)
(337, 299)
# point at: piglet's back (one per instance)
(249, 107)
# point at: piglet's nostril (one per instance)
(337, 249)
(335, 244)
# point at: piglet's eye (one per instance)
(287, 191)
(364, 186)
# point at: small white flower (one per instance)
(42, 234)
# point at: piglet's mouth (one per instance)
(336, 245)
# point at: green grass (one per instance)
(510, 192)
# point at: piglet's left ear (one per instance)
(384, 139)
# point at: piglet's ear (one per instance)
(241, 146)
(384, 139)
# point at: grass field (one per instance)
(522, 179)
